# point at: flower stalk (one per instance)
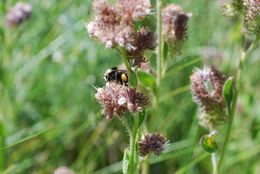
(231, 111)
(133, 150)
(125, 59)
(214, 163)
(114, 25)
(160, 43)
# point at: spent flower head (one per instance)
(175, 23)
(206, 86)
(144, 39)
(152, 143)
(18, 14)
(136, 101)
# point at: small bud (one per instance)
(228, 10)
(155, 143)
(208, 142)
(206, 86)
(18, 14)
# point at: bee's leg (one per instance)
(121, 82)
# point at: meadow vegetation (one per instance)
(50, 69)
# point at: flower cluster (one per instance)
(117, 99)
(252, 16)
(18, 14)
(251, 11)
(174, 25)
(207, 85)
(152, 143)
(114, 25)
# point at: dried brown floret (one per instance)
(144, 39)
(136, 101)
(175, 23)
(152, 143)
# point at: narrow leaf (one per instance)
(125, 163)
(141, 118)
(133, 79)
(165, 50)
(146, 79)
(228, 92)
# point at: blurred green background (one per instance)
(50, 118)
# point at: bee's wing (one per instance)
(123, 71)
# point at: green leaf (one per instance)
(130, 119)
(133, 79)
(125, 163)
(228, 92)
(146, 79)
(141, 118)
(165, 50)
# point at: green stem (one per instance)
(4, 6)
(214, 163)
(145, 166)
(124, 121)
(133, 151)
(125, 59)
(159, 48)
(232, 110)
(132, 76)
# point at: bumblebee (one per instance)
(119, 76)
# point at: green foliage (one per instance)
(165, 50)
(125, 162)
(228, 92)
(133, 79)
(146, 79)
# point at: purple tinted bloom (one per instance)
(152, 143)
(207, 85)
(18, 14)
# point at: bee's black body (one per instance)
(116, 75)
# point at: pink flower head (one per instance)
(18, 14)
(111, 100)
